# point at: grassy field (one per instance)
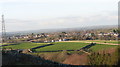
(25, 45)
(6, 43)
(74, 46)
(104, 41)
(99, 47)
(63, 46)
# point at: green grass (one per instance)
(114, 42)
(63, 46)
(25, 45)
(103, 41)
(99, 47)
(6, 43)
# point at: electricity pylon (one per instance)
(3, 30)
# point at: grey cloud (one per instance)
(62, 22)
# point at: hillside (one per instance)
(19, 59)
(64, 29)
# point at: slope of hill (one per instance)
(13, 58)
(64, 29)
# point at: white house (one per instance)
(60, 39)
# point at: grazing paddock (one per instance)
(99, 47)
(63, 46)
(107, 42)
(5, 43)
(104, 41)
(66, 45)
(25, 45)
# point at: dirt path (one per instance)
(92, 42)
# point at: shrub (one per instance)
(103, 58)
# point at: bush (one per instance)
(103, 58)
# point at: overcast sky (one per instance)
(23, 15)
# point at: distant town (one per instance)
(98, 34)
